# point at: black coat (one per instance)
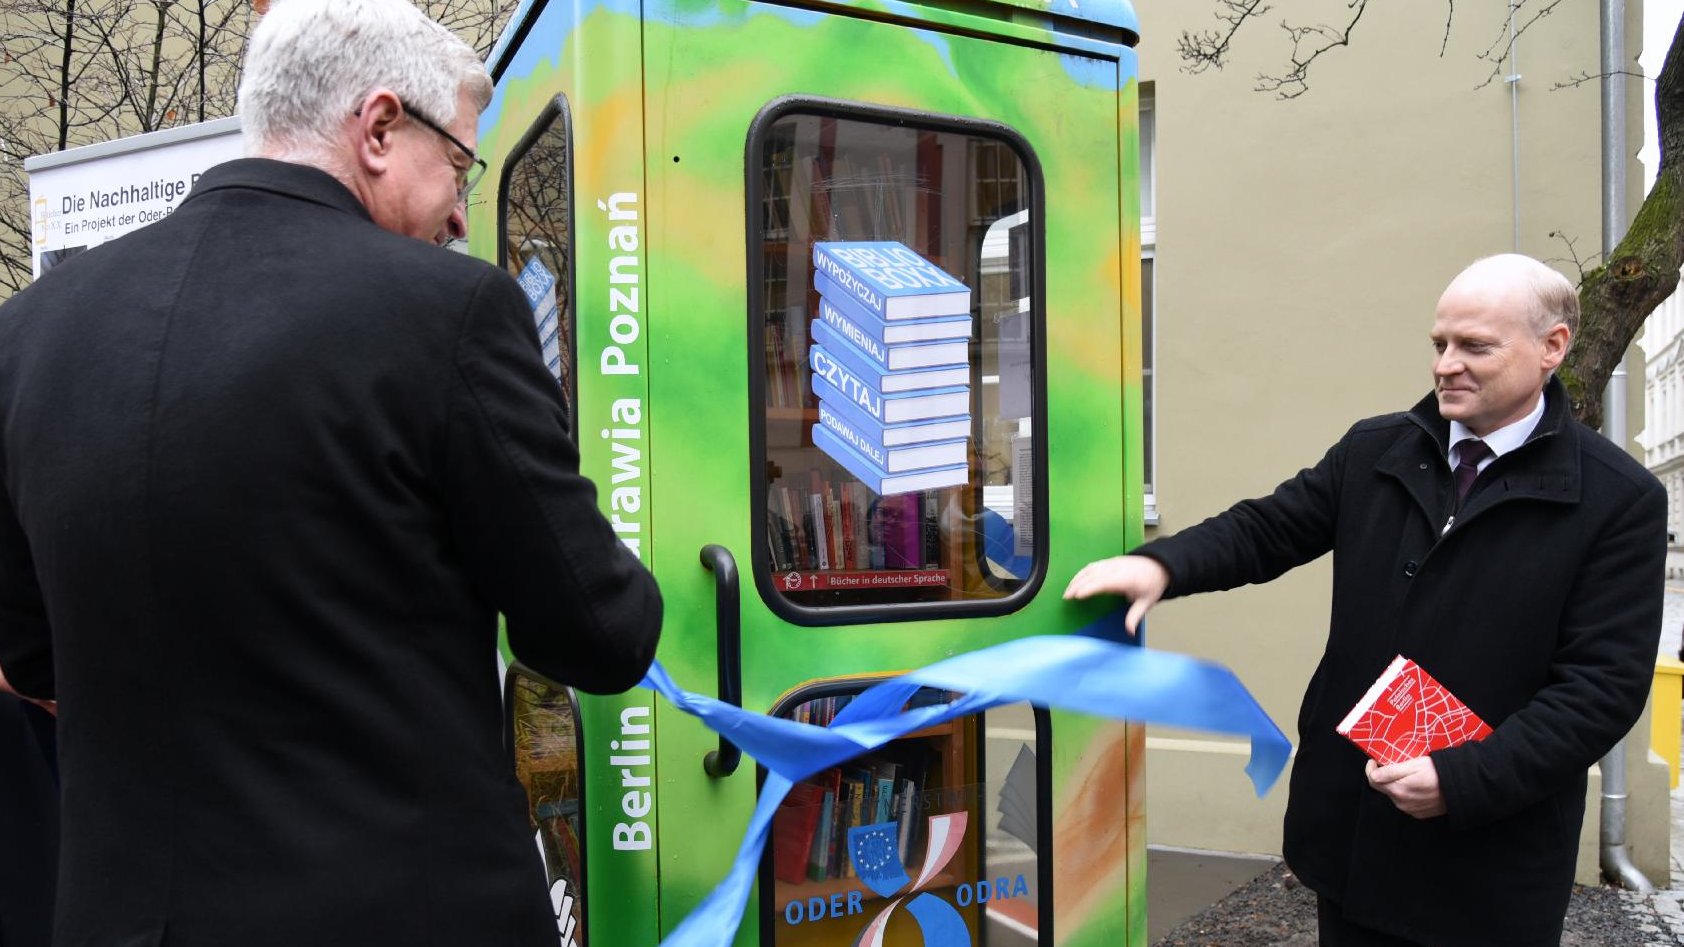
(271, 473)
(1540, 607)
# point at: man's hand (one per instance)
(50, 706)
(1411, 785)
(1139, 579)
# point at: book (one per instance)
(883, 483)
(885, 774)
(894, 435)
(792, 838)
(850, 555)
(821, 534)
(861, 498)
(887, 279)
(908, 808)
(842, 387)
(895, 459)
(901, 532)
(857, 324)
(818, 862)
(931, 533)
(824, 831)
(883, 379)
(833, 527)
(1407, 713)
(903, 354)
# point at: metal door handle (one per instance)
(729, 628)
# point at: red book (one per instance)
(1407, 714)
(792, 832)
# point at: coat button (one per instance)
(1410, 568)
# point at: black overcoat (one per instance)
(271, 473)
(1540, 607)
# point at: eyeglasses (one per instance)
(466, 178)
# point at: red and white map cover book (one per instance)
(1407, 713)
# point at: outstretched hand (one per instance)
(1139, 579)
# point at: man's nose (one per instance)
(456, 225)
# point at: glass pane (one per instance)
(897, 281)
(1148, 377)
(1148, 155)
(930, 839)
(538, 248)
(544, 723)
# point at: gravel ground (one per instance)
(1276, 910)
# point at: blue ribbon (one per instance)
(1088, 672)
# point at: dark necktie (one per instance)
(1469, 453)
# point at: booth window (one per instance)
(1148, 313)
(544, 732)
(897, 327)
(536, 244)
(957, 813)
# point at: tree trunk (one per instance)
(64, 75)
(150, 120)
(1616, 298)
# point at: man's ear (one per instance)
(375, 123)
(1556, 343)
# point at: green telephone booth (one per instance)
(667, 178)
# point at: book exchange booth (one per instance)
(844, 300)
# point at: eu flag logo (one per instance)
(875, 851)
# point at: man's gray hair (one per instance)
(310, 63)
(1558, 302)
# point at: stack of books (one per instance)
(538, 283)
(891, 366)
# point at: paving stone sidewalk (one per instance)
(1661, 915)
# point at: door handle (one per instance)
(729, 630)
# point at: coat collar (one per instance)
(300, 181)
(1545, 467)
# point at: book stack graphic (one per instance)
(538, 283)
(891, 366)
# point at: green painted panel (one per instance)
(662, 108)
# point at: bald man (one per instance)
(1514, 554)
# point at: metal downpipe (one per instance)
(1616, 862)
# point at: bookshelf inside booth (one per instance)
(956, 811)
(544, 732)
(958, 197)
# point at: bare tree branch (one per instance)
(1572, 254)
(1209, 48)
(1294, 83)
(1584, 77)
(1614, 299)
(1500, 49)
(76, 72)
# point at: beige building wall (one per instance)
(1300, 249)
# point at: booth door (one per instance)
(886, 483)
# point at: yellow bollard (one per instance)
(1664, 721)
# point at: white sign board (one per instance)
(85, 196)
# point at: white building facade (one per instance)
(1663, 433)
